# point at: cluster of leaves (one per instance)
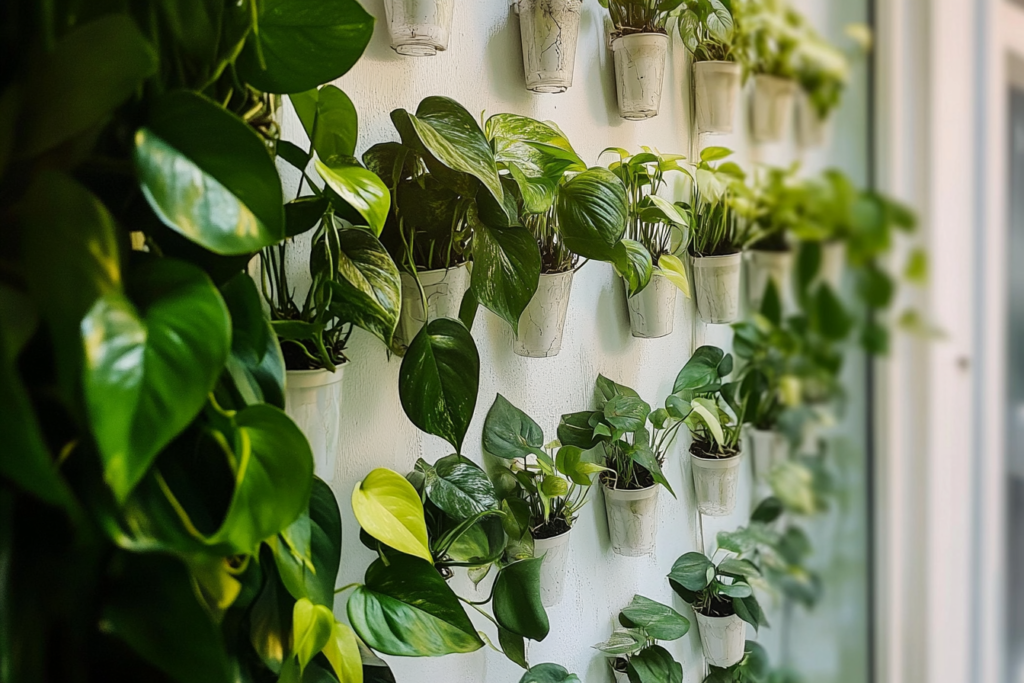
(712, 408)
(716, 208)
(718, 590)
(753, 668)
(634, 648)
(708, 30)
(640, 16)
(771, 35)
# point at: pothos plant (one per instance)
(823, 70)
(160, 516)
(753, 668)
(719, 207)
(718, 590)
(708, 30)
(710, 406)
(771, 35)
(778, 211)
(640, 16)
(634, 650)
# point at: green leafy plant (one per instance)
(720, 590)
(719, 208)
(780, 207)
(823, 70)
(753, 668)
(708, 30)
(634, 648)
(771, 36)
(640, 16)
(548, 673)
(709, 407)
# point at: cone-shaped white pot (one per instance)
(717, 90)
(550, 29)
(722, 638)
(444, 290)
(716, 481)
(652, 312)
(419, 28)
(770, 448)
(768, 266)
(543, 321)
(833, 263)
(640, 60)
(632, 520)
(812, 130)
(771, 108)
(716, 285)
(555, 551)
(313, 402)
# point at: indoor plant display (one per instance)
(633, 650)
(640, 44)
(550, 29)
(722, 599)
(541, 491)
(780, 207)
(657, 227)
(772, 36)
(822, 71)
(752, 668)
(419, 28)
(708, 32)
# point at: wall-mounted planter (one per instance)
(652, 312)
(543, 321)
(716, 285)
(444, 290)
(833, 263)
(715, 481)
(550, 29)
(812, 129)
(632, 520)
(555, 551)
(419, 28)
(640, 60)
(768, 266)
(722, 638)
(313, 401)
(770, 448)
(771, 108)
(717, 90)
(620, 676)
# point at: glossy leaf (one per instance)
(255, 364)
(633, 264)
(314, 576)
(302, 215)
(749, 610)
(574, 429)
(510, 433)
(693, 571)
(337, 125)
(654, 664)
(661, 622)
(342, 651)
(506, 269)
(458, 487)
(516, 603)
(360, 188)
(389, 509)
(700, 374)
(548, 673)
(514, 646)
(592, 213)
(672, 267)
(368, 292)
(311, 630)
(623, 642)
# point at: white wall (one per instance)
(483, 70)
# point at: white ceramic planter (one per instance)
(652, 312)
(833, 264)
(770, 448)
(717, 90)
(555, 552)
(419, 28)
(811, 129)
(632, 520)
(722, 638)
(444, 290)
(715, 481)
(542, 323)
(640, 60)
(716, 285)
(620, 676)
(764, 267)
(550, 29)
(771, 108)
(313, 401)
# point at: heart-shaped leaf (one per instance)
(592, 213)
(700, 374)
(633, 264)
(315, 582)
(311, 630)
(659, 621)
(368, 292)
(389, 509)
(255, 364)
(694, 571)
(548, 673)
(360, 188)
(336, 127)
(517, 603)
(342, 651)
(654, 664)
(459, 487)
(506, 269)
(509, 432)
(672, 267)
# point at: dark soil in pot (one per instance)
(642, 479)
(555, 527)
(708, 452)
(719, 607)
(295, 359)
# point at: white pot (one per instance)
(632, 520)
(768, 266)
(771, 110)
(620, 676)
(652, 312)
(444, 290)
(716, 285)
(723, 639)
(543, 321)
(419, 28)
(555, 551)
(313, 402)
(550, 29)
(833, 263)
(770, 448)
(811, 129)
(640, 60)
(717, 90)
(715, 481)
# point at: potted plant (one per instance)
(549, 673)
(550, 29)
(752, 668)
(450, 206)
(772, 36)
(633, 651)
(722, 600)
(419, 28)
(779, 208)
(640, 45)
(708, 31)
(543, 488)
(634, 455)
(655, 228)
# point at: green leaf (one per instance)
(700, 374)
(389, 509)
(714, 153)
(439, 379)
(517, 604)
(208, 176)
(592, 213)
(771, 304)
(749, 610)
(642, 454)
(633, 263)
(548, 673)
(506, 269)
(311, 630)
(514, 646)
(736, 590)
(368, 291)
(654, 664)
(342, 651)
(875, 287)
(299, 45)
(767, 511)
(315, 582)
(337, 125)
(626, 413)
(659, 621)
(90, 71)
(738, 568)
(305, 105)
(574, 429)
(509, 432)
(672, 268)
(302, 215)
(150, 366)
(694, 571)
(362, 189)
(623, 642)
(406, 609)
(707, 409)
(833, 319)
(256, 364)
(459, 487)
(270, 622)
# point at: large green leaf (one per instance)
(517, 604)
(255, 365)
(661, 622)
(506, 269)
(548, 673)
(342, 651)
(360, 188)
(89, 72)
(336, 130)
(439, 379)
(700, 374)
(407, 609)
(270, 621)
(694, 571)
(509, 432)
(150, 365)
(458, 487)
(592, 213)
(574, 429)
(389, 509)
(298, 45)
(654, 664)
(368, 292)
(633, 263)
(208, 176)
(314, 576)
(311, 630)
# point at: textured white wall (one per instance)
(483, 70)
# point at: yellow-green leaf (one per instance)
(342, 651)
(312, 627)
(672, 268)
(389, 509)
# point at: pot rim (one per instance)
(313, 379)
(707, 618)
(733, 66)
(631, 494)
(553, 541)
(661, 37)
(717, 463)
(714, 261)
